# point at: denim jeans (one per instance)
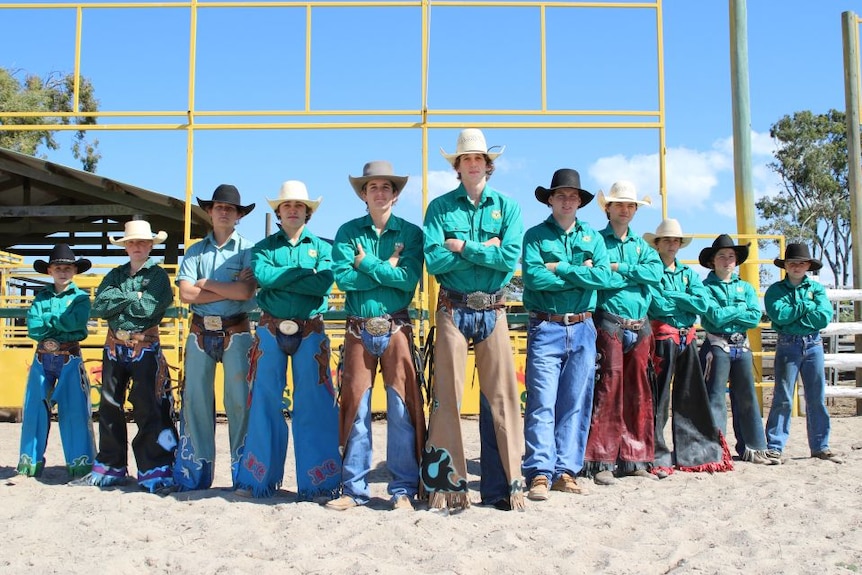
(720, 366)
(560, 375)
(195, 461)
(799, 355)
(400, 450)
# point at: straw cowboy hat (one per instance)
(62, 254)
(668, 228)
(294, 191)
(798, 253)
(471, 141)
(622, 191)
(564, 178)
(721, 242)
(226, 194)
(377, 170)
(139, 230)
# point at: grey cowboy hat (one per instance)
(377, 170)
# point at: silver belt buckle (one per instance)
(123, 334)
(288, 327)
(378, 326)
(212, 323)
(478, 300)
(737, 338)
(50, 345)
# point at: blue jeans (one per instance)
(560, 376)
(799, 355)
(720, 366)
(195, 461)
(400, 450)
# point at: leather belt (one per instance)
(219, 324)
(736, 338)
(291, 326)
(55, 347)
(477, 300)
(564, 318)
(623, 322)
(132, 338)
(380, 325)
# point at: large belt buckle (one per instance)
(378, 326)
(123, 334)
(212, 323)
(737, 338)
(288, 327)
(478, 300)
(570, 318)
(50, 345)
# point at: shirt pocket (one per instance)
(491, 228)
(552, 251)
(456, 228)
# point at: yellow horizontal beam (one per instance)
(320, 126)
(326, 4)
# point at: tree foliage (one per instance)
(54, 93)
(813, 204)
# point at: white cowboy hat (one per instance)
(377, 170)
(139, 230)
(294, 191)
(622, 191)
(668, 228)
(471, 141)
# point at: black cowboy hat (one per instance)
(798, 253)
(62, 254)
(564, 178)
(721, 242)
(227, 194)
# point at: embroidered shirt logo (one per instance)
(496, 215)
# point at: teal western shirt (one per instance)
(478, 267)
(733, 306)
(61, 316)
(679, 298)
(640, 268)
(294, 280)
(376, 288)
(798, 310)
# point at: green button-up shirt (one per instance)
(477, 267)
(62, 316)
(572, 289)
(798, 310)
(294, 280)
(134, 302)
(733, 307)
(639, 266)
(679, 298)
(376, 288)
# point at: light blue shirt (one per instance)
(222, 264)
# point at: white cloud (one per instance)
(727, 209)
(439, 182)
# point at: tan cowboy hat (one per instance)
(471, 141)
(377, 170)
(139, 230)
(294, 191)
(622, 191)
(668, 228)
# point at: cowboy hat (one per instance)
(668, 228)
(226, 194)
(564, 178)
(139, 230)
(721, 242)
(377, 170)
(798, 253)
(622, 191)
(294, 191)
(471, 141)
(62, 254)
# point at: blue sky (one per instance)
(369, 58)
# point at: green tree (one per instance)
(813, 204)
(54, 93)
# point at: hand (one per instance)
(396, 255)
(200, 283)
(552, 267)
(360, 255)
(492, 242)
(245, 275)
(615, 267)
(454, 245)
(588, 263)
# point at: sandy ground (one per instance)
(801, 517)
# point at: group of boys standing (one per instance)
(603, 302)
